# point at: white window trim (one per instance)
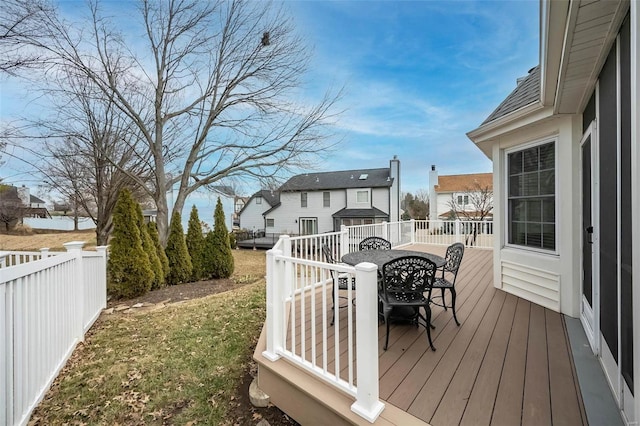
(368, 196)
(505, 208)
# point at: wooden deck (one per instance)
(508, 363)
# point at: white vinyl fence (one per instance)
(47, 303)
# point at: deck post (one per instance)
(385, 230)
(44, 252)
(413, 231)
(344, 241)
(275, 309)
(367, 404)
(102, 251)
(75, 247)
(458, 233)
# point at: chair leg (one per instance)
(386, 319)
(333, 307)
(444, 305)
(427, 311)
(453, 305)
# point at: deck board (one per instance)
(509, 363)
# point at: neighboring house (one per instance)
(238, 205)
(566, 153)
(251, 215)
(313, 203)
(29, 205)
(467, 191)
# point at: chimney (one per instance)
(395, 190)
(24, 195)
(433, 201)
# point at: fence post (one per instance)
(102, 251)
(367, 404)
(6, 353)
(344, 241)
(75, 247)
(44, 252)
(3, 259)
(385, 230)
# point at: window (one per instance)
(258, 200)
(463, 200)
(326, 199)
(303, 199)
(362, 196)
(270, 223)
(531, 197)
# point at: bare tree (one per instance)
(20, 19)
(211, 94)
(474, 203)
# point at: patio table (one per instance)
(380, 257)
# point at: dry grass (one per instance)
(54, 241)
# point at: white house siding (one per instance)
(251, 217)
(565, 261)
(442, 204)
(287, 216)
(380, 198)
(352, 200)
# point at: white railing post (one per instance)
(44, 252)
(6, 354)
(75, 247)
(344, 241)
(413, 231)
(457, 228)
(367, 404)
(102, 251)
(3, 259)
(275, 299)
(385, 230)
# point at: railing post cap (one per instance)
(74, 245)
(100, 249)
(43, 249)
(366, 267)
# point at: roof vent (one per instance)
(388, 179)
(317, 179)
(351, 176)
(363, 176)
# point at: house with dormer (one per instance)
(313, 203)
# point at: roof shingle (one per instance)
(526, 92)
(461, 183)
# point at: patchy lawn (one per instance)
(179, 365)
(52, 240)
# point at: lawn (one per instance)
(178, 365)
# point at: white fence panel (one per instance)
(59, 223)
(42, 305)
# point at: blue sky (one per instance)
(417, 75)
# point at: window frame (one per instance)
(366, 192)
(259, 199)
(304, 199)
(326, 199)
(507, 197)
(270, 219)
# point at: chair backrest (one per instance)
(408, 277)
(327, 254)
(374, 243)
(453, 258)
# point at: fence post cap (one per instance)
(366, 267)
(74, 245)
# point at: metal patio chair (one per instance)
(374, 243)
(447, 280)
(342, 281)
(404, 283)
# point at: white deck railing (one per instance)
(299, 309)
(299, 305)
(46, 305)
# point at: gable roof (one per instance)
(34, 199)
(461, 183)
(365, 178)
(526, 93)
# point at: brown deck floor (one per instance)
(509, 362)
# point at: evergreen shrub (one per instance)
(179, 260)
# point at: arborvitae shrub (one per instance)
(195, 245)
(222, 257)
(152, 229)
(179, 261)
(150, 249)
(129, 272)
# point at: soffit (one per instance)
(591, 30)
